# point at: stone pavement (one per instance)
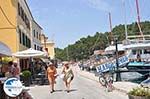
(120, 86)
(81, 89)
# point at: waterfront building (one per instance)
(18, 29)
(48, 46)
(36, 36)
(15, 26)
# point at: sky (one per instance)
(66, 21)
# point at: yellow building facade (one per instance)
(18, 29)
(8, 24)
(49, 46)
(15, 28)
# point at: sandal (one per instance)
(68, 91)
(52, 91)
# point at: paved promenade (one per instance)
(120, 86)
(82, 87)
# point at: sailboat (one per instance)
(135, 51)
(110, 51)
(138, 49)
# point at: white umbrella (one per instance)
(30, 53)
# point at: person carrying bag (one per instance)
(68, 76)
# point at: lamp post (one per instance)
(118, 76)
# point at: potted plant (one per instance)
(26, 74)
(139, 93)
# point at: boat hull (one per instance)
(139, 66)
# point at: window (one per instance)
(26, 41)
(27, 23)
(41, 48)
(23, 36)
(29, 43)
(35, 46)
(37, 34)
(19, 9)
(140, 51)
(20, 36)
(34, 33)
(22, 14)
(39, 37)
(134, 52)
(25, 17)
(146, 51)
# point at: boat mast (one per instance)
(110, 23)
(138, 16)
(125, 26)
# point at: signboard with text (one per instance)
(13, 87)
(112, 64)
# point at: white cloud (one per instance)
(100, 5)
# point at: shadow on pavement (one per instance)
(71, 90)
(58, 90)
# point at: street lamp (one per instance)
(118, 76)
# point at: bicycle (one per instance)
(106, 81)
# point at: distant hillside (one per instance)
(84, 47)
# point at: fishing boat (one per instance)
(137, 48)
(139, 56)
(134, 56)
(135, 51)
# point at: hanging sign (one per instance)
(112, 64)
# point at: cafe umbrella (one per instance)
(30, 53)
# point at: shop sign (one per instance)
(13, 87)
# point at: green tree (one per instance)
(84, 47)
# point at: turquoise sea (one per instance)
(133, 77)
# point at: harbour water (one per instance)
(133, 77)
